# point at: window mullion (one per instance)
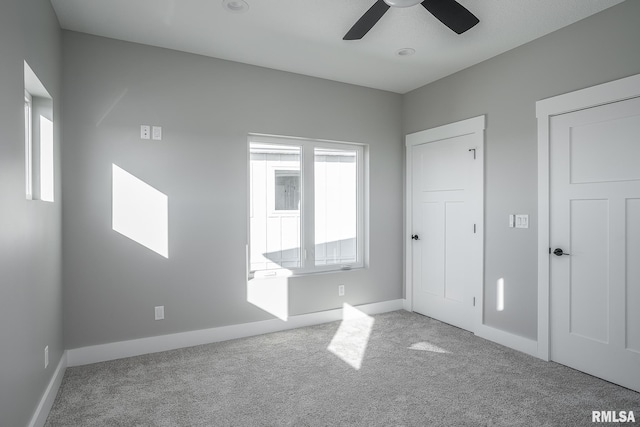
(307, 211)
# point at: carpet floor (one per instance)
(392, 369)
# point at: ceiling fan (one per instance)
(449, 12)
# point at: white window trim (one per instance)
(38, 101)
(307, 211)
(28, 144)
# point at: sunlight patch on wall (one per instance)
(425, 346)
(351, 340)
(270, 294)
(140, 212)
(500, 294)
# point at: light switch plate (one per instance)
(522, 221)
(156, 133)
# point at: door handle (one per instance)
(415, 237)
(559, 252)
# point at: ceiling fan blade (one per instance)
(367, 21)
(452, 14)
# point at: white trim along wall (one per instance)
(46, 402)
(606, 93)
(118, 350)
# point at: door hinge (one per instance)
(474, 301)
(474, 152)
(474, 229)
(549, 251)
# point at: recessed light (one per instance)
(235, 6)
(405, 51)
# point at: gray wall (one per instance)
(598, 49)
(30, 243)
(206, 108)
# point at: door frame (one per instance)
(606, 93)
(474, 126)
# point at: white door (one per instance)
(595, 221)
(445, 228)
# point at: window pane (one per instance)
(287, 190)
(275, 206)
(46, 160)
(336, 207)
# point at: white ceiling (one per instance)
(305, 36)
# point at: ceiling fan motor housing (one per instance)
(402, 3)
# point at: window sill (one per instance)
(279, 273)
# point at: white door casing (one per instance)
(444, 272)
(595, 200)
(589, 206)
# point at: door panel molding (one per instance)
(475, 127)
(607, 93)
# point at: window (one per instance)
(38, 139)
(306, 205)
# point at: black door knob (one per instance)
(559, 252)
(415, 237)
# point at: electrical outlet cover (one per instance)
(159, 311)
(145, 132)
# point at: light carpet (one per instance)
(392, 369)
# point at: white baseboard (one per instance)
(42, 411)
(406, 304)
(516, 342)
(121, 349)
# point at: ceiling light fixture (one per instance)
(405, 51)
(402, 3)
(235, 6)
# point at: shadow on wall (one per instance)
(328, 253)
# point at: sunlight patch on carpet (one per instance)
(350, 341)
(425, 346)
